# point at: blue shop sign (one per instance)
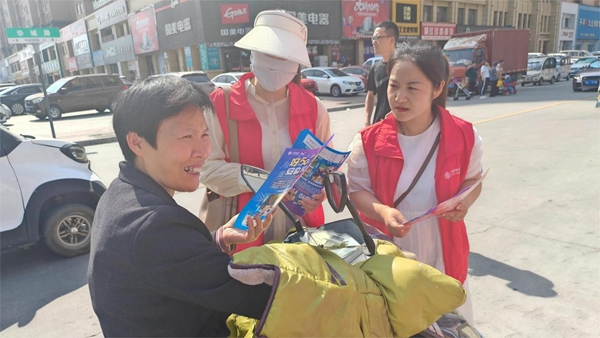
(588, 23)
(98, 57)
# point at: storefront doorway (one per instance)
(236, 60)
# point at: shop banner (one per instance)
(84, 61)
(118, 50)
(52, 66)
(179, 23)
(235, 13)
(588, 23)
(73, 64)
(81, 45)
(78, 28)
(26, 53)
(111, 14)
(98, 57)
(187, 51)
(209, 57)
(322, 18)
(433, 31)
(65, 34)
(143, 31)
(359, 17)
(407, 15)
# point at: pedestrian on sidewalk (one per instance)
(406, 150)
(384, 42)
(268, 110)
(485, 78)
(493, 80)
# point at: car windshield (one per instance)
(460, 57)
(56, 86)
(586, 60)
(534, 65)
(335, 72)
(5, 90)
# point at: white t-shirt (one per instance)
(424, 238)
(485, 72)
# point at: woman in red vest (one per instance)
(270, 110)
(387, 157)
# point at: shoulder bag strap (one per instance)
(414, 182)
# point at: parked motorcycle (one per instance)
(352, 240)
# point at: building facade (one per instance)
(141, 38)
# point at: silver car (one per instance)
(588, 78)
(227, 79)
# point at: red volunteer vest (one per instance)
(303, 115)
(385, 160)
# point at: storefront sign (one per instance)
(118, 50)
(65, 34)
(78, 28)
(407, 15)
(209, 57)
(359, 17)
(52, 66)
(179, 26)
(98, 57)
(187, 51)
(72, 62)
(26, 53)
(143, 31)
(432, 31)
(322, 18)
(112, 14)
(99, 3)
(588, 23)
(81, 45)
(237, 13)
(84, 61)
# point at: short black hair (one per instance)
(143, 107)
(390, 27)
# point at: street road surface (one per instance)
(534, 231)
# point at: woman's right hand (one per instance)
(395, 222)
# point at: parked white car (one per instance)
(334, 81)
(49, 192)
(576, 54)
(539, 71)
(371, 61)
(5, 113)
(563, 66)
(227, 79)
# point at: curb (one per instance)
(351, 106)
(110, 138)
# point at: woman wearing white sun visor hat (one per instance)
(266, 110)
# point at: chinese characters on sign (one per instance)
(235, 31)
(437, 31)
(317, 19)
(178, 27)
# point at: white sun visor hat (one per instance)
(278, 34)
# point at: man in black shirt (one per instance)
(384, 42)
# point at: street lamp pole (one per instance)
(46, 105)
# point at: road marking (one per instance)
(526, 111)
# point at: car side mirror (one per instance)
(63, 90)
(326, 76)
(232, 82)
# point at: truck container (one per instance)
(510, 45)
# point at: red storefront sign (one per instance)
(234, 13)
(73, 64)
(434, 31)
(359, 17)
(143, 31)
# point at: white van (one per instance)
(540, 70)
(563, 66)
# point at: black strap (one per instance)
(414, 182)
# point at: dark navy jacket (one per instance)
(154, 268)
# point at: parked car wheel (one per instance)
(558, 78)
(68, 230)
(567, 78)
(552, 80)
(111, 107)
(540, 81)
(17, 108)
(522, 84)
(55, 111)
(335, 91)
